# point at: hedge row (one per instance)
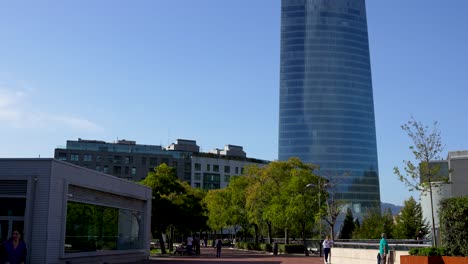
(282, 248)
(454, 221)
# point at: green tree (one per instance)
(237, 203)
(410, 220)
(300, 205)
(348, 226)
(217, 201)
(427, 146)
(174, 203)
(258, 196)
(454, 224)
(374, 224)
(277, 195)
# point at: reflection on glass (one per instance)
(94, 228)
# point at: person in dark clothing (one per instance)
(15, 249)
(219, 244)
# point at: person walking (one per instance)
(383, 249)
(327, 243)
(15, 249)
(218, 245)
(189, 245)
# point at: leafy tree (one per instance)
(259, 196)
(277, 195)
(174, 203)
(348, 226)
(410, 220)
(301, 206)
(454, 220)
(217, 201)
(427, 146)
(374, 224)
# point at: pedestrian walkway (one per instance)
(235, 256)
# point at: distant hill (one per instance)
(394, 208)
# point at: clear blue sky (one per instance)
(154, 71)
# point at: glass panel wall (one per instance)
(96, 228)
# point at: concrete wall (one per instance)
(459, 175)
(46, 206)
(363, 256)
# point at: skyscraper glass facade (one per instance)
(326, 101)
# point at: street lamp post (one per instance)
(311, 185)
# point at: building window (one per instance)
(127, 170)
(117, 159)
(98, 158)
(96, 228)
(98, 168)
(197, 176)
(197, 166)
(216, 168)
(88, 157)
(153, 161)
(128, 160)
(227, 178)
(117, 170)
(237, 170)
(143, 160)
(134, 171)
(208, 167)
(187, 167)
(62, 156)
(197, 185)
(227, 169)
(74, 157)
(106, 169)
(242, 170)
(174, 164)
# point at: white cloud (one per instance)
(16, 110)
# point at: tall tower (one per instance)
(326, 101)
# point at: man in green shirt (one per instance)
(383, 249)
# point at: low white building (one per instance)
(69, 214)
(455, 168)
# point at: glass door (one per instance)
(8, 224)
(4, 230)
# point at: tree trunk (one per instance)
(256, 233)
(161, 243)
(269, 232)
(332, 226)
(304, 240)
(286, 236)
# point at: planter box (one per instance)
(455, 260)
(432, 260)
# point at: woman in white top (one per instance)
(327, 243)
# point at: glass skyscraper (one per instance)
(326, 101)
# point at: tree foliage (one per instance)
(374, 224)
(276, 196)
(348, 226)
(427, 146)
(410, 221)
(454, 221)
(174, 203)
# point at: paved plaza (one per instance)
(234, 256)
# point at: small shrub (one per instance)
(414, 251)
(293, 248)
(430, 251)
(454, 221)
